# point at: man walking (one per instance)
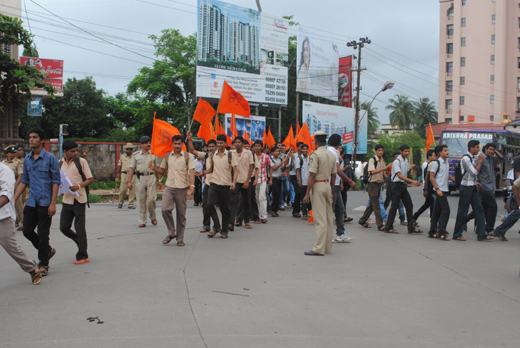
(376, 172)
(17, 167)
(41, 172)
(428, 202)
(122, 169)
(294, 181)
(400, 170)
(276, 168)
(261, 180)
(240, 195)
(180, 183)
(74, 207)
(145, 183)
(322, 169)
(302, 176)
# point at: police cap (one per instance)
(10, 149)
(144, 139)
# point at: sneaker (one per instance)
(120, 206)
(132, 207)
(404, 223)
(343, 239)
(44, 270)
(282, 208)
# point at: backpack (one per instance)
(428, 187)
(458, 172)
(78, 166)
(366, 175)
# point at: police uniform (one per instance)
(17, 167)
(322, 162)
(145, 184)
(124, 163)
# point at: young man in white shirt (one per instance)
(301, 165)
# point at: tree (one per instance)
(372, 118)
(394, 141)
(171, 81)
(402, 114)
(424, 113)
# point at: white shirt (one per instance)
(424, 166)
(7, 182)
(304, 172)
(335, 152)
(442, 176)
(293, 161)
(198, 165)
(511, 175)
(402, 166)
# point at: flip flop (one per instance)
(168, 239)
(391, 231)
(248, 225)
(81, 262)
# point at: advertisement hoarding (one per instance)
(247, 48)
(345, 81)
(335, 120)
(254, 126)
(53, 68)
(35, 107)
(317, 65)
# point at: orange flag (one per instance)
(430, 138)
(229, 140)
(305, 137)
(162, 135)
(289, 141)
(311, 219)
(204, 112)
(246, 137)
(233, 126)
(298, 127)
(221, 129)
(270, 139)
(264, 138)
(206, 132)
(232, 102)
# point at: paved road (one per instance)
(257, 289)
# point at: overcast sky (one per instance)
(404, 34)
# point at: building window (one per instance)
(448, 120)
(492, 99)
(518, 62)
(449, 48)
(450, 12)
(461, 118)
(463, 21)
(450, 29)
(462, 61)
(493, 18)
(6, 49)
(463, 2)
(449, 104)
(491, 118)
(449, 67)
(492, 79)
(519, 20)
(462, 80)
(493, 39)
(493, 59)
(449, 85)
(493, 1)
(462, 100)
(517, 102)
(518, 82)
(462, 42)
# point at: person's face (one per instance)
(247, 147)
(177, 146)
(445, 152)
(20, 152)
(257, 148)
(146, 146)
(71, 154)
(238, 144)
(474, 150)
(211, 147)
(221, 145)
(276, 153)
(395, 156)
(128, 152)
(205, 148)
(34, 140)
(405, 153)
(300, 148)
(380, 152)
(306, 53)
(490, 151)
(10, 156)
(282, 149)
(305, 151)
(434, 157)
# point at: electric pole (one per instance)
(357, 45)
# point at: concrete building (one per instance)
(388, 129)
(479, 61)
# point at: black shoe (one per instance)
(132, 207)
(120, 206)
(312, 253)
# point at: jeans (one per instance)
(509, 221)
(284, 190)
(38, 216)
(339, 210)
(469, 195)
(297, 199)
(441, 215)
(489, 204)
(400, 193)
(75, 212)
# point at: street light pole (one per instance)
(388, 85)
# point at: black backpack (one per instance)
(458, 172)
(78, 166)
(366, 175)
(428, 187)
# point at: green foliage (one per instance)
(94, 198)
(402, 112)
(424, 113)
(30, 51)
(392, 143)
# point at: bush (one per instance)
(94, 198)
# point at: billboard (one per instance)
(333, 119)
(247, 48)
(345, 81)
(52, 67)
(317, 65)
(254, 126)
(35, 106)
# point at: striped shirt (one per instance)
(469, 170)
(401, 165)
(263, 161)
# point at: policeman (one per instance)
(322, 178)
(122, 172)
(145, 182)
(17, 167)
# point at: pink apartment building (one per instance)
(479, 62)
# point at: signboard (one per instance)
(247, 48)
(35, 107)
(52, 67)
(335, 120)
(317, 65)
(254, 126)
(467, 135)
(345, 81)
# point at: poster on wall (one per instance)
(35, 106)
(247, 48)
(345, 81)
(53, 68)
(317, 65)
(254, 126)
(333, 119)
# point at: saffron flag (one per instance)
(232, 102)
(229, 140)
(233, 126)
(311, 219)
(297, 128)
(305, 137)
(246, 137)
(221, 129)
(206, 132)
(430, 138)
(264, 138)
(289, 141)
(270, 139)
(162, 135)
(204, 112)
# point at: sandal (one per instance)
(223, 236)
(444, 237)
(297, 215)
(204, 230)
(36, 277)
(212, 234)
(502, 238)
(391, 231)
(168, 239)
(382, 228)
(415, 231)
(238, 224)
(180, 244)
(365, 225)
(257, 221)
(460, 238)
(81, 262)
(415, 224)
(248, 225)
(264, 221)
(275, 215)
(348, 219)
(432, 235)
(486, 238)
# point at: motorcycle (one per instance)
(510, 203)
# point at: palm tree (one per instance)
(372, 118)
(402, 114)
(424, 114)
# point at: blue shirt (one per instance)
(40, 175)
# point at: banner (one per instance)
(254, 126)
(247, 48)
(345, 81)
(35, 107)
(317, 65)
(52, 67)
(335, 120)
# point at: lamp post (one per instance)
(388, 85)
(63, 131)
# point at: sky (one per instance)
(109, 39)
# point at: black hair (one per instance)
(212, 141)
(334, 140)
(473, 143)
(300, 143)
(228, 148)
(430, 153)
(320, 139)
(222, 137)
(487, 146)
(304, 146)
(69, 145)
(439, 148)
(19, 146)
(39, 131)
(258, 142)
(397, 153)
(176, 138)
(404, 147)
(240, 139)
(274, 148)
(379, 146)
(301, 55)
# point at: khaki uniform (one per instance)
(322, 162)
(17, 167)
(145, 185)
(124, 163)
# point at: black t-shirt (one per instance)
(516, 165)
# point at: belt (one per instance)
(124, 172)
(143, 174)
(321, 181)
